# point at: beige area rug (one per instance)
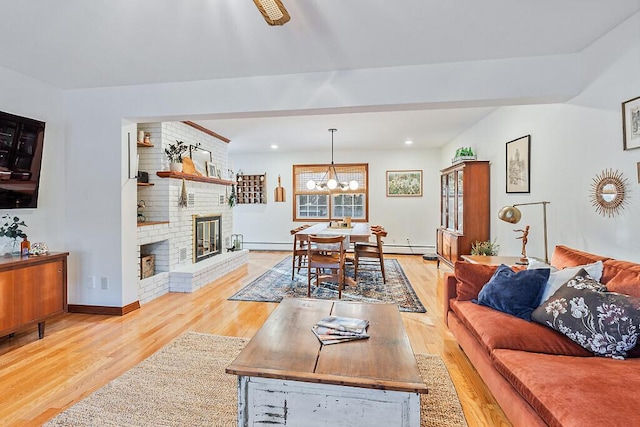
(185, 384)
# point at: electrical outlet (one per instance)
(104, 282)
(91, 282)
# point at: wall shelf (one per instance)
(251, 189)
(145, 184)
(144, 144)
(147, 223)
(190, 177)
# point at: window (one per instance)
(323, 205)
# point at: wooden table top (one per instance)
(359, 233)
(286, 348)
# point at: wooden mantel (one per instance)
(191, 177)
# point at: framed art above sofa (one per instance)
(518, 166)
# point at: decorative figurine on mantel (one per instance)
(524, 237)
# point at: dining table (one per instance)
(359, 232)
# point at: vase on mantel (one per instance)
(175, 167)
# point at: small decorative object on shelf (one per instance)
(141, 206)
(463, 154)
(11, 229)
(174, 153)
(39, 248)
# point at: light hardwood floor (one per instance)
(80, 353)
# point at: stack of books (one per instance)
(337, 329)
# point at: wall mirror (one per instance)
(608, 192)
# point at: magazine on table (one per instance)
(347, 324)
(335, 329)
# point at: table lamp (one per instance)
(512, 215)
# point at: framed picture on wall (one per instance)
(631, 124)
(518, 166)
(211, 170)
(404, 183)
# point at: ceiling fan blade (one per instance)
(273, 11)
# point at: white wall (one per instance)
(26, 97)
(414, 218)
(570, 144)
(94, 222)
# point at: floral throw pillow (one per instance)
(605, 323)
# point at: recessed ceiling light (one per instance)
(274, 146)
(408, 142)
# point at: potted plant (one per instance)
(174, 153)
(11, 229)
(486, 248)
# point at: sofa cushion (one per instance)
(564, 257)
(516, 293)
(495, 329)
(574, 391)
(606, 323)
(471, 278)
(558, 278)
(622, 277)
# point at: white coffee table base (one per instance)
(267, 401)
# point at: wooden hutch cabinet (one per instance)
(464, 209)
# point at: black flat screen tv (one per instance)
(21, 142)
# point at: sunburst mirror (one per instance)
(608, 191)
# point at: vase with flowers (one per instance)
(174, 153)
(11, 230)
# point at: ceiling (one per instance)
(74, 44)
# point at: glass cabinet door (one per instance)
(459, 203)
(443, 201)
(451, 186)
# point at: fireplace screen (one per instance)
(207, 237)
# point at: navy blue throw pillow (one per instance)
(514, 293)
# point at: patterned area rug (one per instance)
(184, 384)
(276, 284)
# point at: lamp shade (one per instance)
(510, 214)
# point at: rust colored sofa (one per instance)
(538, 376)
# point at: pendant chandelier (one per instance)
(330, 179)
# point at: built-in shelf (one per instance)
(146, 223)
(145, 184)
(251, 189)
(190, 177)
(144, 144)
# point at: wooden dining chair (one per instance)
(326, 253)
(299, 254)
(368, 251)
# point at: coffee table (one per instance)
(286, 377)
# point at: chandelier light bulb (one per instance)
(311, 184)
(353, 185)
(332, 184)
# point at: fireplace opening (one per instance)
(207, 236)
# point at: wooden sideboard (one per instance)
(32, 289)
